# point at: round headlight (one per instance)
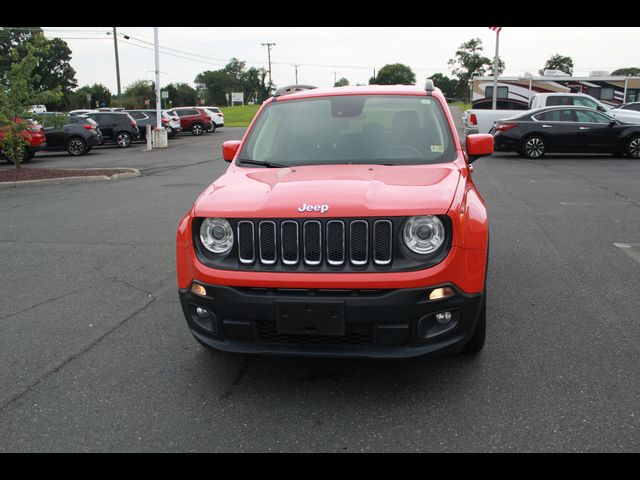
(424, 234)
(216, 235)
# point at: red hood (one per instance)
(348, 191)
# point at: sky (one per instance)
(325, 53)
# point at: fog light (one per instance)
(202, 313)
(440, 293)
(199, 289)
(444, 317)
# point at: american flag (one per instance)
(495, 29)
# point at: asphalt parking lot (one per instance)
(96, 355)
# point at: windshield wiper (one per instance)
(263, 163)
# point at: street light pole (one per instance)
(115, 46)
(269, 45)
(494, 102)
(158, 99)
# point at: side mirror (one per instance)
(479, 145)
(613, 123)
(229, 149)
(601, 108)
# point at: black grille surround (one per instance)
(364, 244)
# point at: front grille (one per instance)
(315, 244)
(356, 334)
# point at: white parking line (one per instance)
(631, 249)
(593, 203)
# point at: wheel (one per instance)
(123, 139)
(212, 128)
(197, 129)
(534, 147)
(76, 146)
(171, 133)
(476, 342)
(633, 147)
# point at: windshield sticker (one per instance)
(437, 148)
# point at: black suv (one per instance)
(142, 118)
(116, 126)
(77, 137)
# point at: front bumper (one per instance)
(397, 323)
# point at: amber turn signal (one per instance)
(198, 289)
(440, 293)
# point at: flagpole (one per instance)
(494, 103)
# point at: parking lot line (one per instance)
(631, 249)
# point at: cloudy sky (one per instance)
(320, 51)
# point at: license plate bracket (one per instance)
(310, 318)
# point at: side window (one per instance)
(633, 106)
(591, 117)
(586, 102)
(559, 100)
(557, 116)
(503, 92)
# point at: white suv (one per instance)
(217, 118)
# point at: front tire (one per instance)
(212, 128)
(534, 147)
(76, 146)
(197, 129)
(633, 148)
(123, 139)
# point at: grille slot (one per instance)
(267, 235)
(382, 238)
(335, 242)
(312, 231)
(246, 242)
(359, 242)
(290, 242)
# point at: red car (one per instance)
(347, 225)
(34, 136)
(192, 119)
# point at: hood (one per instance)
(331, 191)
(627, 116)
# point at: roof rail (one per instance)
(292, 89)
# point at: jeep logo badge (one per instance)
(313, 208)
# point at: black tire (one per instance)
(171, 133)
(633, 148)
(76, 146)
(197, 129)
(122, 139)
(533, 147)
(212, 128)
(476, 342)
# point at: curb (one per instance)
(133, 172)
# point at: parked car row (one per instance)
(87, 128)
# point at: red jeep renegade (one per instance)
(347, 225)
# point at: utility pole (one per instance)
(335, 78)
(269, 45)
(115, 46)
(494, 102)
(160, 134)
(296, 67)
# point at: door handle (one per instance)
(584, 128)
(546, 126)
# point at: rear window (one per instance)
(559, 100)
(395, 130)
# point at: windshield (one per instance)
(393, 130)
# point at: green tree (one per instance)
(470, 61)
(394, 74)
(558, 62)
(343, 82)
(98, 93)
(20, 90)
(213, 85)
(53, 69)
(140, 94)
(449, 86)
(181, 94)
(633, 71)
(255, 85)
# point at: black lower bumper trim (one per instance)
(398, 323)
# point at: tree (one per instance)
(558, 62)
(343, 82)
(256, 85)
(394, 74)
(140, 94)
(633, 71)
(99, 93)
(20, 90)
(213, 85)
(53, 68)
(182, 94)
(468, 62)
(449, 86)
